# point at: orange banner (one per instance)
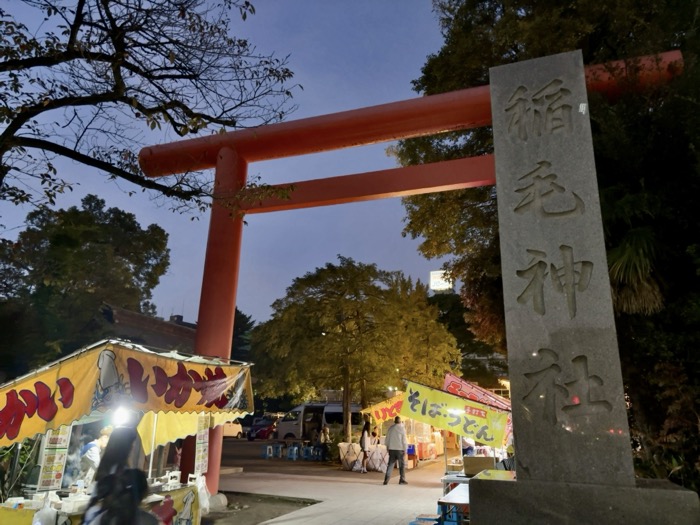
(115, 373)
(385, 410)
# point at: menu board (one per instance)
(201, 454)
(53, 458)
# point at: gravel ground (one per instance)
(252, 509)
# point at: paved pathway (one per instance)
(347, 498)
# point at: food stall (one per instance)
(177, 395)
(461, 416)
(378, 453)
(468, 390)
(424, 441)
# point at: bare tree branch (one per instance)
(107, 167)
(105, 71)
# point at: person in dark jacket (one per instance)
(117, 499)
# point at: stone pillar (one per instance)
(572, 442)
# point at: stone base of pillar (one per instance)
(218, 502)
(494, 500)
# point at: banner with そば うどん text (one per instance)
(458, 415)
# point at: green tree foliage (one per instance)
(353, 327)
(243, 325)
(63, 267)
(85, 80)
(16, 462)
(646, 144)
(480, 363)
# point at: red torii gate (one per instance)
(230, 153)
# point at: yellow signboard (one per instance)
(179, 506)
(458, 415)
(201, 449)
(54, 458)
(385, 410)
(113, 374)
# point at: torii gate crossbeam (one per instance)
(231, 152)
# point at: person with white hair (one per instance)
(468, 446)
(397, 444)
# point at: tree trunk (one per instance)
(363, 393)
(347, 423)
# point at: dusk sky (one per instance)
(346, 55)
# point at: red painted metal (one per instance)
(421, 116)
(613, 78)
(217, 304)
(449, 175)
(464, 109)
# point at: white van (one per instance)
(233, 429)
(302, 421)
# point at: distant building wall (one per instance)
(150, 331)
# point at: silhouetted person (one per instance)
(117, 498)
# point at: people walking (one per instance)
(117, 499)
(397, 444)
(364, 446)
(324, 442)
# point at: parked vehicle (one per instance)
(233, 429)
(263, 429)
(302, 421)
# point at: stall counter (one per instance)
(17, 516)
(178, 504)
(351, 452)
(25, 516)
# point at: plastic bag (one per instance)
(203, 493)
(46, 515)
(357, 466)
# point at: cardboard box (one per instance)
(456, 467)
(475, 464)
